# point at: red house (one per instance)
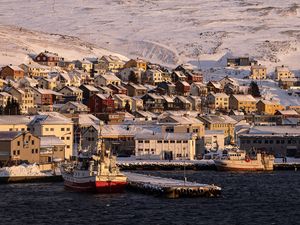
(101, 103)
(48, 58)
(194, 77)
(183, 88)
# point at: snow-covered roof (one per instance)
(50, 141)
(16, 119)
(243, 98)
(218, 119)
(274, 130)
(9, 135)
(164, 136)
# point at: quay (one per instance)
(287, 166)
(169, 188)
(30, 179)
(166, 165)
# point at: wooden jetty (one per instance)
(168, 187)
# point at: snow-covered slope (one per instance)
(170, 31)
(16, 44)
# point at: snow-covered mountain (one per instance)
(170, 31)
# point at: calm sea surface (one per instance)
(247, 198)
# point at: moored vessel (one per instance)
(94, 173)
(239, 160)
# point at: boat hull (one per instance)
(96, 186)
(227, 165)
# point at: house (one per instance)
(3, 83)
(268, 107)
(244, 103)
(44, 97)
(128, 74)
(228, 80)
(240, 61)
(24, 97)
(135, 89)
(4, 97)
(12, 73)
(121, 101)
(85, 65)
(105, 90)
(67, 79)
(110, 63)
(48, 58)
(183, 88)
(137, 104)
(87, 92)
(218, 101)
(27, 82)
(182, 124)
(190, 74)
(214, 86)
(139, 63)
(199, 89)
(181, 103)
(89, 137)
(167, 146)
(196, 102)
(178, 76)
(258, 72)
(47, 83)
(287, 114)
(117, 89)
(17, 146)
(153, 77)
(282, 72)
(286, 83)
(221, 122)
(168, 102)
(144, 115)
(70, 93)
(54, 123)
(281, 141)
(106, 79)
(153, 102)
(74, 108)
(167, 88)
(15, 122)
(52, 149)
(101, 103)
(33, 69)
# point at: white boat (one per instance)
(239, 160)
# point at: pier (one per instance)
(170, 188)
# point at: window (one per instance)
(68, 129)
(32, 151)
(140, 149)
(14, 152)
(165, 141)
(62, 138)
(18, 143)
(185, 141)
(141, 141)
(32, 142)
(36, 151)
(18, 152)
(147, 141)
(68, 138)
(62, 129)
(47, 129)
(68, 146)
(172, 141)
(51, 129)
(159, 141)
(282, 142)
(178, 141)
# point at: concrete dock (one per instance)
(170, 188)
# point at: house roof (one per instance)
(218, 119)
(164, 136)
(102, 96)
(183, 120)
(183, 99)
(216, 84)
(90, 87)
(244, 98)
(9, 135)
(289, 112)
(51, 118)
(15, 119)
(16, 68)
(50, 141)
(109, 77)
(168, 98)
(219, 95)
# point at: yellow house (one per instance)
(154, 76)
(53, 123)
(223, 123)
(268, 107)
(139, 63)
(2, 83)
(110, 63)
(283, 72)
(218, 100)
(15, 122)
(121, 101)
(106, 79)
(33, 69)
(258, 72)
(47, 83)
(24, 97)
(242, 103)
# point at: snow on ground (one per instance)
(22, 170)
(16, 44)
(170, 31)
